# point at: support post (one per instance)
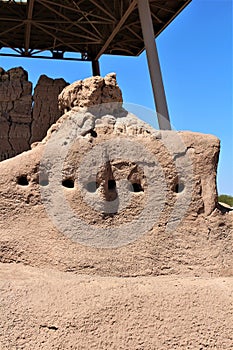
(95, 67)
(154, 65)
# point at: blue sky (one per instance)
(196, 60)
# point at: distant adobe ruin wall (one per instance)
(25, 118)
(15, 112)
(45, 110)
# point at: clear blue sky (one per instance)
(196, 60)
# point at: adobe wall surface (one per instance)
(21, 123)
(110, 233)
(45, 109)
(15, 112)
(119, 197)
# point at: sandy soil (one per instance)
(46, 309)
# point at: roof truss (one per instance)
(88, 27)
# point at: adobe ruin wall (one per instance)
(25, 117)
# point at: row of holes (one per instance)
(23, 181)
(69, 183)
(92, 186)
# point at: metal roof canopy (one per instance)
(91, 28)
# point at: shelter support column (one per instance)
(95, 67)
(153, 64)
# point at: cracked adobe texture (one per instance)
(15, 112)
(90, 92)
(45, 109)
(20, 123)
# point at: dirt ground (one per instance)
(46, 309)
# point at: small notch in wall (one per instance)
(44, 182)
(22, 180)
(68, 183)
(93, 133)
(111, 185)
(136, 187)
(91, 186)
(179, 187)
(43, 179)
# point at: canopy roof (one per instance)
(89, 27)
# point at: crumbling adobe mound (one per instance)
(106, 195)
(108, 180)
(90, 92)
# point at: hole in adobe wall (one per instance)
(68, 183)
(111, 185)
(44, 182)
(179, 187)
(136, 187)
(91, 186)
(22, 180)
(43, 179)
(93, 133)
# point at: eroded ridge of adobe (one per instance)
(89, 92)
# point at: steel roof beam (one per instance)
(154, 65)
(28, 25)
(10, 47)
(75, 49)
(84, 25)
(65, 22)
(44, 3)
(133, 32)
(105, 5)
(60, 5)
(120, 48)
(162, 8)
(103, 9)
(13, 10)
(10, 29)
(94, 15)
(87, 19)
(117, 28)
(8, 19)
(93, 40)
(44, 57)
(157, 18)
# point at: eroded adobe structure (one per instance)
(25, 118)
(183, 176)
(106, 196)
